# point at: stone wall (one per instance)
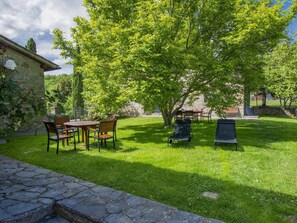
(28, 72)
(136, 109)
(30, 76)
(275, 111)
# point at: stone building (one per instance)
(25, 67)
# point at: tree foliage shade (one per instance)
(70, 49)
(165, 52)
(59, 92)
(281, 72)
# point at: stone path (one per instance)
(30, 194)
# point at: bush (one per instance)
(17, 106)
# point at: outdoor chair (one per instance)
(53, 134)
(182, 131)
(186, 121)
(188, 114)
(115, 118)
(178, 115)
(225, 132)
(59, 121)
(106, 130)
(197, 114)
(206, 114)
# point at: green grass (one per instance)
(272, 103)
(258, 183)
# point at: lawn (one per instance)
(272, 103)
(258, 183)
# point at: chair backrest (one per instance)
(113, 118)
(59, 121)
(183, 121)
(51, 127)
(107, 126)
(189, 112)
(179, 114)
(226, 129)
(182, 129)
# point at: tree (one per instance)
(164, 52)
(70, 49)
(281, 72)
(31, 45)
(59, 92)
(77, 90)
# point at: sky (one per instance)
(22, 19)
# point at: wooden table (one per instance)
(198, 114)
(84, 125)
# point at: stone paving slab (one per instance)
(29, 194)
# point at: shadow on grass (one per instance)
(259, 134)
(236, 203)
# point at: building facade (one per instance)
(24, 67)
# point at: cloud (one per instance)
(21, 20)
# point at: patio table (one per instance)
(84, 125)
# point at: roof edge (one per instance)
(46, 64)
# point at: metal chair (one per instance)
(53, 134)
(206, 115)
(182, 131)
(178, 115)
(225, 132)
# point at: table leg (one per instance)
(82, 134)
(78, 135)
(86, 138)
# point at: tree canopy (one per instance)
(31, 45)
(165, 52)
(70, 49)
(59, 92)
(281, 72)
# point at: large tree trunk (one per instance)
(167, 117)
(168, 109)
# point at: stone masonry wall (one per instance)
(28, 72)
(30, 77)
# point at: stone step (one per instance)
(53, 219)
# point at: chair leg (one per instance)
(48, 145)
(113, 143)
(57, 151)
(67, 140)
(236, 146)
(74, 141)
(78, 135)
(99, 145)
